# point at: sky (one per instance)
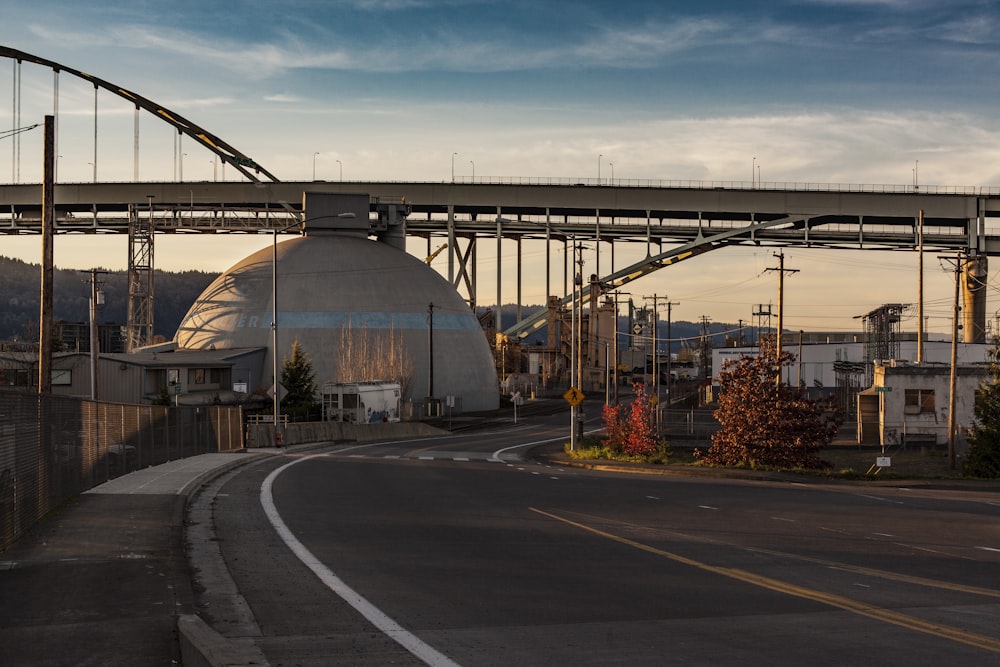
(796, 91)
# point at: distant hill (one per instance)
(20, 285)
(175, 293)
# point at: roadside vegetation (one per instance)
(770, 426)
(983, 458)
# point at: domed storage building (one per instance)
(345, 298)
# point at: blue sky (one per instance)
(831, 91)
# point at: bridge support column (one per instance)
(974, 275)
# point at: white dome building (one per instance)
(334, 281)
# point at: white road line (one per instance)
(379, 619)
(781, 518)
(988, 549)
(707, 507)
(496, 455)
(425, 458)
(461, 458)
(883, 500)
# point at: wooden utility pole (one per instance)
(781, 302)
(920, 287)
(48, 261)
(954, 366)
(95, 348)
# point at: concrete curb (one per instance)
(201, 646)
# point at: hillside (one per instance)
(19, 297)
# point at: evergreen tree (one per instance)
(299, 381)
(983, 458)
(766, 422)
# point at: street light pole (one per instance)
(274, 315)
(314, 165)
(453, 167)
(473, 170)
(341, 169)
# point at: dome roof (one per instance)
(327, 284)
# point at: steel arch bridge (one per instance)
(227, 153)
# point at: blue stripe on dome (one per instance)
(370, 320)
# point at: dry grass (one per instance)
(915, 461)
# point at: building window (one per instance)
(199, 376)
(919, 401)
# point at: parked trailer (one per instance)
(361, 402)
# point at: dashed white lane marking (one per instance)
(883, 534)
(707, 507)
(379, 619)
(882, 500)
(781, 518)
(988, 549)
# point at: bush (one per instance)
(766, 422)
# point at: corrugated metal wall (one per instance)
(53, 448)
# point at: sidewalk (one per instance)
(103, 580)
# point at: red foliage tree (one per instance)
(634, 435)
(615, 429)
(766, 422)
(640, 440)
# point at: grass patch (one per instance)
(846, 461)
(591, 449)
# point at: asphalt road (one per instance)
(452, 551)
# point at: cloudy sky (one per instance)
(829, 91)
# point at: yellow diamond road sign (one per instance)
(573, 396)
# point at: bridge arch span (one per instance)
(226, 152)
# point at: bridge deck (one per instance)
(842, 218)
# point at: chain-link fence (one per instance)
(53, 448)
(687, 424)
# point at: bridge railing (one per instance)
(651, 183)
(793, 186)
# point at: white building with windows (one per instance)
(908, 404)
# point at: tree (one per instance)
(615, 429)
(767, 422)
(640, 439)
(633, 436)
(299, 381)
(366, 355)
(983, 457)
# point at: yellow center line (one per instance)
(837, 601)
(834, 565)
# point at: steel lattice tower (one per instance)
(140, 279)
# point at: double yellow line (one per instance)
(837, 601)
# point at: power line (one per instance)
(6, 134)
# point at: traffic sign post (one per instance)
(574, 396)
